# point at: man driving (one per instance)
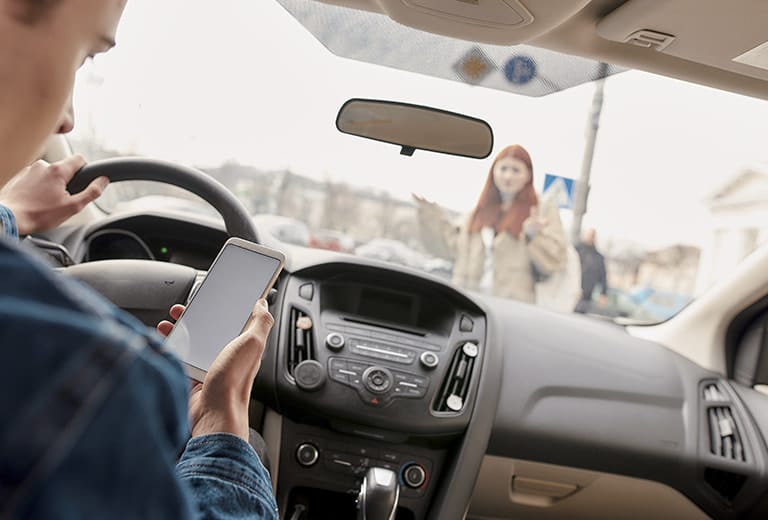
(95, 411)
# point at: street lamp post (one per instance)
(582, 186)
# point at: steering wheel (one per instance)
(148, 288)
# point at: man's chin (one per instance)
(55, 146)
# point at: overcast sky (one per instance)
(204, 82)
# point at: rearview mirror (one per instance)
(415, 127)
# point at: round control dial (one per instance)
(377, 380)
(309, 375)
(414, 476)
(307, 454)
(429, 359)
(334, 341)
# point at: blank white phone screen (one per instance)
(222, 305)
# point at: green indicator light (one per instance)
(164, 250)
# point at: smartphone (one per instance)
(242, 273)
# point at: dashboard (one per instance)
(373, 372)
(151, 237)
(468, 398)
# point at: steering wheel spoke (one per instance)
(147, 288)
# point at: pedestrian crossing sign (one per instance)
(560, 190)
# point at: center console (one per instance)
(373, 372)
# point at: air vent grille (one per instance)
(712, 392)
(301, 342)
(724, 436)
(455, 389)
(726, 484)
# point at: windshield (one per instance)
(243, 91)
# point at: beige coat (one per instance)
(512, 257)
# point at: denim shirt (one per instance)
(94, 412)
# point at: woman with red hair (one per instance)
(509, 241)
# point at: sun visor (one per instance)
(377, 38)
(694, 30)
(499, 22)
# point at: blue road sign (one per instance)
(560, 189)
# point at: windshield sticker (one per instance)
(520, 70)
(474, 66)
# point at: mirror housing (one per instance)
(415, 127)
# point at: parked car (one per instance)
(393, 251)
(641, 304)
(284, 229)
(655, 305)
(331, 240)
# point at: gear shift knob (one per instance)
(378, 495)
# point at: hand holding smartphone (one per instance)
(241, 274)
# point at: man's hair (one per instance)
(29, 12)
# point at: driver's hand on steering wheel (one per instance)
(38, 195)
(220, 403)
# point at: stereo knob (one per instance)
(429, 359)
(377, 380)
(307, 454)
(334, 341)
(414, 476)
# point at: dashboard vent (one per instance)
(726, 484)
(453, 393)
(724, 436)
(712, 392)
(301, 342)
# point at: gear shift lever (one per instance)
(378, 495)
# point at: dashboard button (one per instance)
(429, 359)
(334, 341)
(358, 368)
(375, 400)
(307, 291)
(340, 462)
(307, 454)
(365, 452)
(377, 380)
(414, 476)
(414, 392)
(374, 349)
(466, 324)
(340, 376)
(389, 456)
(337, 364)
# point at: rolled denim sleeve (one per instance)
(8, 223)
(226, 478)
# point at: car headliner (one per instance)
(704, 52)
